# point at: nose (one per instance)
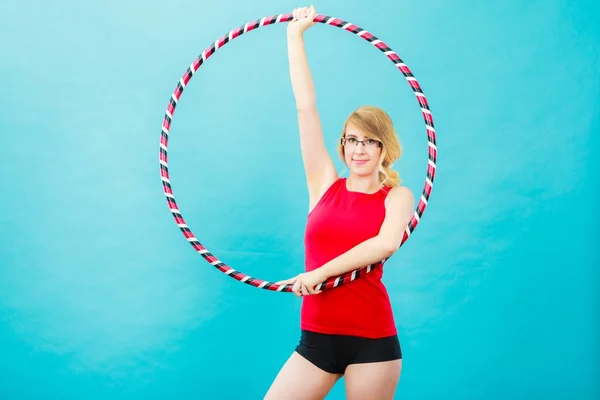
(359, 148)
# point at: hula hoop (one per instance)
(193, 68)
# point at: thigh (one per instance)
(375, 380)
(299, 379)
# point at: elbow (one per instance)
(389, 247)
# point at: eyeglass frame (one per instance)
(377, 142)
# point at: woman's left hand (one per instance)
(304, 284)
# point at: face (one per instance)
(361, 152)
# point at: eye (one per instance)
(352, 140)
(371, 142)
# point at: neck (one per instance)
(363, 184)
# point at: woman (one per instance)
(353, 222)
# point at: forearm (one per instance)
(302, 83)
(369, 252)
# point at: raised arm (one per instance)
(318, 166)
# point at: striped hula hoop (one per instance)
(193, 68)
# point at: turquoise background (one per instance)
(101, 297)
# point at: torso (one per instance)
(341, 220)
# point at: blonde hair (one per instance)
(377, 124)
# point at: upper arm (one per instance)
(318, 166)
(399, 209)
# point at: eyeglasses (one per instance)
(353, 142)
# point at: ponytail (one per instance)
(388, 176)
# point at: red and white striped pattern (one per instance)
(205, 55)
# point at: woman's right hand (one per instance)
(303, 19)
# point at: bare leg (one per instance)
(372, 381)
(299, 379)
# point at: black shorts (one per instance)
(333, 353)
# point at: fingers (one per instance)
(297, 288)
(300, 288)
(298, 13)
(304, 12)
(312, 290)
(306, 291)
(286, 282)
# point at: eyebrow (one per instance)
(367, 137)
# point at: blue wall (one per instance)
(495, 294)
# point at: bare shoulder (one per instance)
(400, 194)
(400, 199)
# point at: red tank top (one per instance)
(341, 220)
